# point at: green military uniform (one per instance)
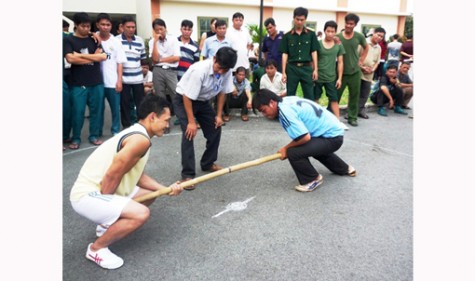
(351, 72)
(299, 68)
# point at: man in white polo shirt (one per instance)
(200, 83)
(165, 54)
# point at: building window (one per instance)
(367, 29)
(204, 22)
(312, 25)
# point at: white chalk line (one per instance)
(235, 206)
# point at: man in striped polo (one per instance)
(132, 78)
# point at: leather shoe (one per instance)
(245, 118)
(226, 118)
(213, 168)
(191, 187)
(353, 123)
(363, 115)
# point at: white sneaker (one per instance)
(104, 258)
(311, 186)
(344, 126)
(101, 229)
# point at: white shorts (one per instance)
(102, 208)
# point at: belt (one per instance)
(301, 63)
(166, 67)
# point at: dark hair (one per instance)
(152, 103)
(226, 57)
(409, 36)
(263, 97)
(352, 17)
(220, 22)
(391, 66)
(145, 62)
(269, 21)
(187, 23)
(379, 29)
(213, 19)
(103, 16)
(396, 36)
(238, 15)
(158, 22)
(406, 62)
(271, 62)
(126, 19)
(81, 17)
(240, 69)
(330, 23)
(300, 11)
(65, 24)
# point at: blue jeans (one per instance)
(93, 97)
(113, 98)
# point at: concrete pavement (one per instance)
(252, 224)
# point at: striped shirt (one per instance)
(189, 54)
(134, 51)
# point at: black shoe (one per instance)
(353, 123)
(363, 115)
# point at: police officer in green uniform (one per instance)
(299, 49)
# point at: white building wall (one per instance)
(388, 23)
(377, 12)
(310, 5)
(174, 12)
(374, 6)
(95, 6)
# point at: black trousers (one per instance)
(380, 98)
(239, 102)
(205, 115)
(322, 149)
(137, 92)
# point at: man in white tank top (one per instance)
(113, 175)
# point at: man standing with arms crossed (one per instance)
(352, 62)
(87, 86)
(299, 56)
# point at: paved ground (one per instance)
(349, 229)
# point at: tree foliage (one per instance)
(408, 27)
(254, 30)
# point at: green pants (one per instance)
(353, 81)
(302, 74)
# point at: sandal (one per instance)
(191, 187)
(96, 142)
(351, 171)
(73, 146)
